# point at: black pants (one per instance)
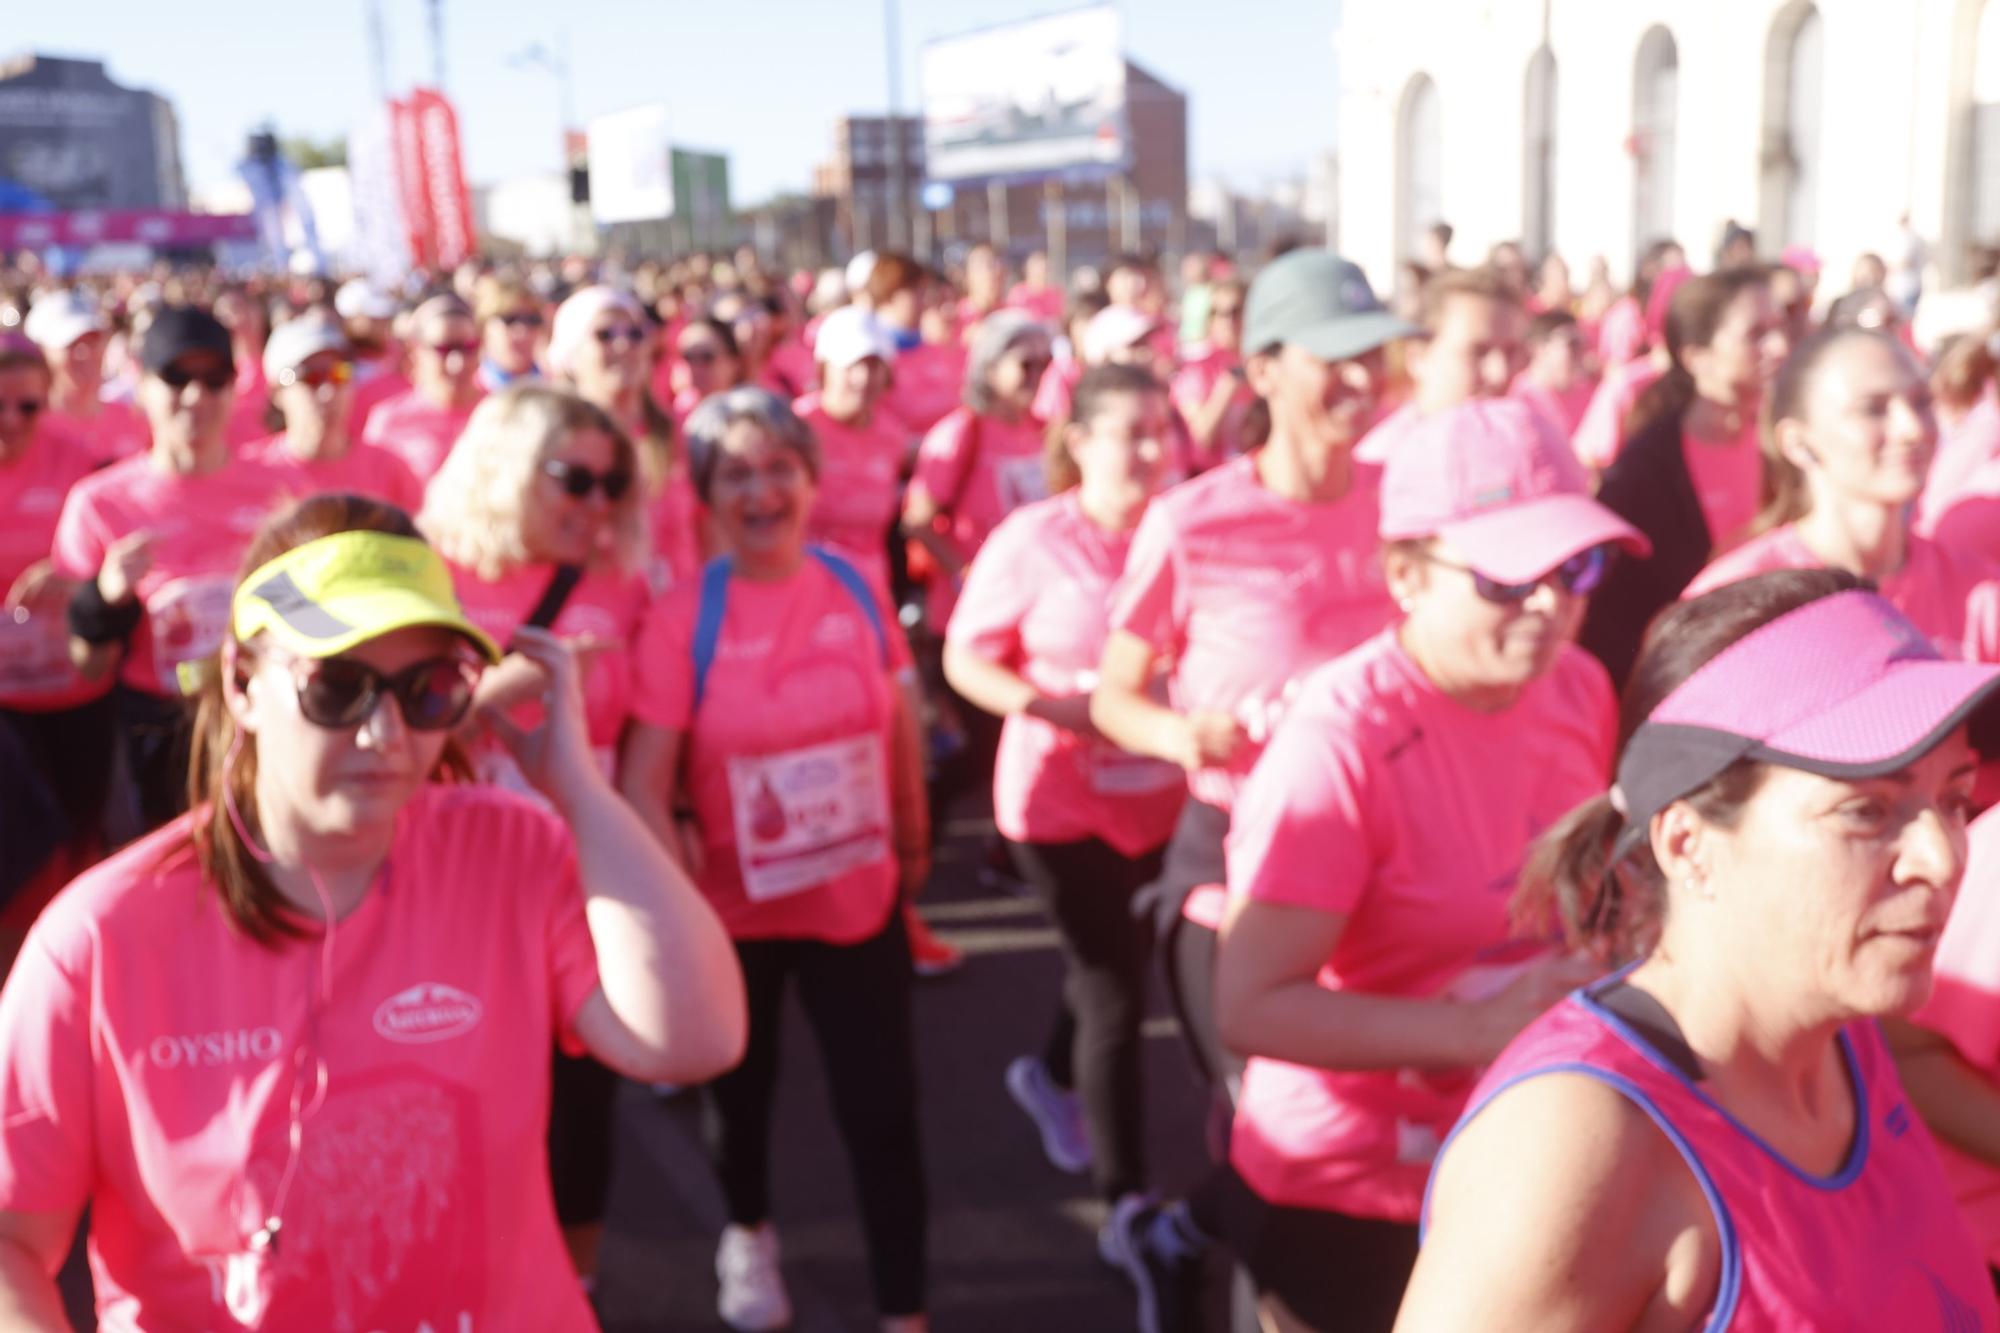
(581, 1105)
(1094, 1045)
(57, 777)
(857, 1000)
(1333, 1272)
(155, 731)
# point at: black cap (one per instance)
(180, 329)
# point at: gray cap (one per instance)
(294, 341)
(1319, 302)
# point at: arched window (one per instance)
(1986, 129)
(1794, 102)
(1655, 116)
(1538, 156)
(1419, 163)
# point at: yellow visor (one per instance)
(325, 597)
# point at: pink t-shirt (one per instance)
(201, 526)
(859, 487)
(1729, 481)
(1245, 592)
(147, 1065)
(978, 470)
(1621, 332)
(1953, 596)
(35, 671)
(675, 518)
(1044, 303)
(1057, 391)
(1386, 436)
(375, 383)
(1192, 385)
(1038, 601)
(1600, 436)
(417, 430)
(1385, 801)
(787, 759)
(1959, 468)
(791, 369)
(247, 411)
(365, 469)
(117, 431)
(1562, 410)
(929, 383)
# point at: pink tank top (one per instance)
(1879, 1245)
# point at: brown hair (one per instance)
(1785, 496)
(251, 902)
(894, 273)
(494, 296)
(1694, 316)
(1439, 292)
(1965, 368)
(1093, 392)
(1615, 910)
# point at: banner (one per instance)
(149, 226)
(411, 181)
(631, 166)
(380, 243)
(442, 161)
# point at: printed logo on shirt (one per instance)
(212, 1050)
(426, 1012)
(248, 518)
(836, 631)
(1897, 1122)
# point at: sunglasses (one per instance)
(340, 372)
(340, 692)
(467, 348)
(579, 481)
(627, 333)
(1580, 574)
(178, 377)
(522, 319)
(27, 407)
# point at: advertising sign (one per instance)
(631, 166)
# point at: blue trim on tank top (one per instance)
(1729, 1287)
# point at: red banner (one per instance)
(406, 136)
(35, 231)
(444, 178)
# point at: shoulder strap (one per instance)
(857, 586)
(708, 615)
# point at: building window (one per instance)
(1419, 164)
(1538, 156)
(1655, 116)
(1794, 102)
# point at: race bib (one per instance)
(188, 618)
(1113, 772)
(34, 655)
(805, 817)
(1020, 481)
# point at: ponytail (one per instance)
(1694, 315)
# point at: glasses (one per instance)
(178, 377)
(579, 481)
(1580, 574)
(626, 333)
(522, 319)
(340, 372)
(340, 692)
(27, 407)
(466, 348)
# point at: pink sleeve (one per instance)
(943, 460)
(1146, 601)
(79, 546)
(998, 592)
(663, 676)
(46, 1078)
(1970, 527)
(1599, 433)
(572, 955)
(1054, 396)
(1187, 389)
(1300, 833)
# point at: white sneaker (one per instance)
(1057, 1113)
(752, 1298)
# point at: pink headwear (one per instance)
(574, 318)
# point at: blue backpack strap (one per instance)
(857, 586)
(708, 619)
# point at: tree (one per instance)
(307, 154)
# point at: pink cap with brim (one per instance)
(1845, 687)
(1495, 480)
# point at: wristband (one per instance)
(96, 621)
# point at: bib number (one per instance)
(1021, 481)
(34, 655)
(806, 817)
(188, 618)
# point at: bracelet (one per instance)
(97, 622)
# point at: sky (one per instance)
(762, 80)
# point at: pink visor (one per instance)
(1493, 478)
(1844, 687)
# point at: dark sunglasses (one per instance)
(467, 348)
(27, 407)
(1580, 574)
(339, 692)
(627, 333)
(178, 377)
(522, 319)
(579, 481)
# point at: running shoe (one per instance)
(752, 1298)
(1056, 1111)
(929, 955)
(1161, 1252)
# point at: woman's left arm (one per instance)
(669, 1006)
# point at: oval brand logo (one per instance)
(428, 1011)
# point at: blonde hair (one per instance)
(473, 506)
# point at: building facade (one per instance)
(72, 139)
(1592, 127)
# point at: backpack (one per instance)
(714, 603)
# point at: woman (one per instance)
(1964, 379)
(706, 363)
(61, 721)
(1366, 967)
(599, 346)
(73, 334)
(420, 424)
(802, 762)
(541, 494)
(931, 372)
(1085, 822)
(511, 324)
(243, 313)
(1692, 476)
(309, 367)
(862, 447)
(382, 1001)
(1558, 380)
(1848, 444)
(1715, 1136)
(1209, 390)
(154, 541)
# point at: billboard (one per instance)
(701, 195)
(631, 166)
(1045, 97)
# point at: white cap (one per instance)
(1112, 328)
(859, 270)
(60, 318)
(360, 299)
(295, 340)
(849, 335)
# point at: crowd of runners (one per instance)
(1537, 735)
